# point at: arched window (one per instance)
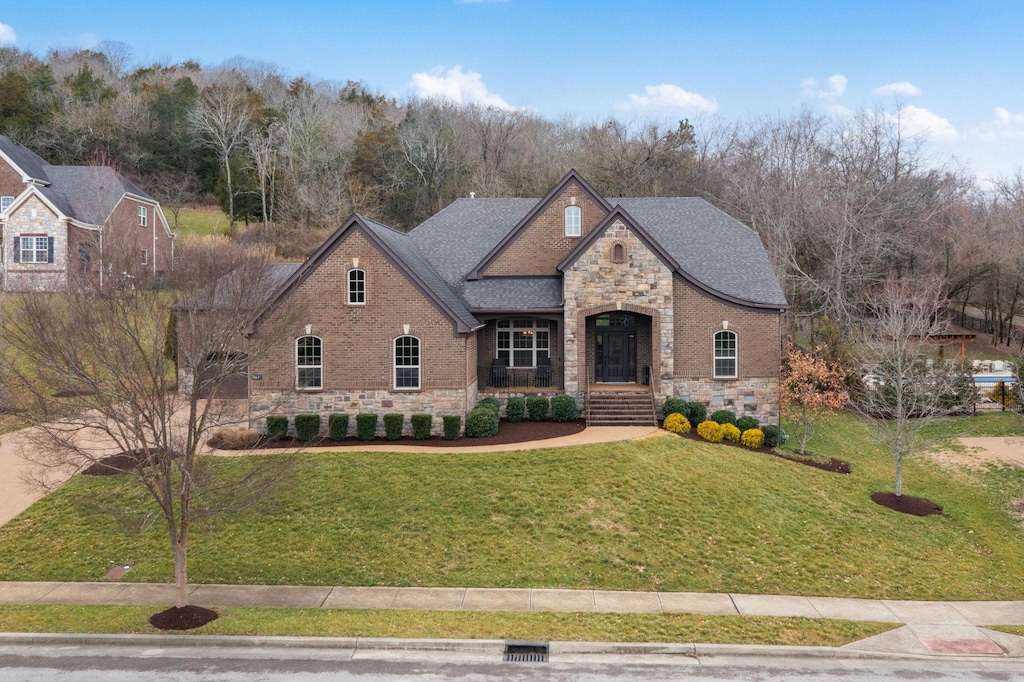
(725, 355)
(618, 254)
(572, 221)
(356, 287)
(407, 362)
(309, 362)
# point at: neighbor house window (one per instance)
(357, 287)
(309, 362)
(145, 256)
(572, 221)
(725, 355)
(5, 202)
(407, 362)
(84, 258)
(522, 341)
(33, 249)
(143, 215)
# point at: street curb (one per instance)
(481, 646)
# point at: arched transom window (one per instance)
(407, 362)
(309, 362)
(725, 355)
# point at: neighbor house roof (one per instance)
(92, 191)
(28, 162)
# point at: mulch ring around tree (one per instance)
(832, 465)
(182, 618)
(115, 465)
(906, 504)
(508, 433)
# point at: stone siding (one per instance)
(756, 398)
(35, 218)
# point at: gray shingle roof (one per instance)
(513, 293)
(91, 191)
(27, 160)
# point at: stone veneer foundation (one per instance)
(756, 398)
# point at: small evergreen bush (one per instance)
(723, 417)
(452, 426)
(421, 424)
(774, 436)
(677, 423)
(393, 425)
(747, 423)
(490, 404)
(481, 423)
(673, 406)
(563, 408)
(710, 431)
(277, 427)
(515, 409)
(752, 438)
(366, 426)
(537, 407)
(731, 433)
(696, 412)
(337, 425)
(307, 426)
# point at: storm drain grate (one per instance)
(526, 652)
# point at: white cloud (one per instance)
(7, 35)
(1005, 124)
(668, 96)
(917, 121)
(834, 86)
(464, 87)
(900, 89)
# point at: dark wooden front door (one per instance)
(615, 349)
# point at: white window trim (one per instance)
(348, 287)
(320, 366)
(418, 365)
(34, 249)
(5, 202)
(579, 222)
(145, 256)
(511, 329)
(735, 357)
(143, 216)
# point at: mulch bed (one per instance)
(115, 465)
(182, 618)
(906, 504)
(508, 433)
(835, 466)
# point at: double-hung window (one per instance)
(407, 362)
(5, 202)
(143, 215)
(522, 341)
(725, 355)
(309, 362)
(356, 287)
(572, 221)
(33, 250)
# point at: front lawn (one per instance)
(662, 514)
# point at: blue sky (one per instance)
(955, 66)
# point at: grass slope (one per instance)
(659, 514)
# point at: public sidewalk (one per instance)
(928, 628)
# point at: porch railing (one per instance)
(524, 378)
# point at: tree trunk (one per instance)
(180, 575)
(231, 195)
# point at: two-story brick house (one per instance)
(570, 293)
(59, 223)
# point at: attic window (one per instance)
(572, 221)
(618, 254)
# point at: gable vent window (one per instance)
(357, 287)
(572, 221)
(143, 215)
(618, 254)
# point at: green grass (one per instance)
(662, 514)
(587, 627)
(199, 222)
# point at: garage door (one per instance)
(230, 387)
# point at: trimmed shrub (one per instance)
(537, 407)
(752, 438)
(677, 423)
(696, 412)
(774, 436)
(731, 433)
(366, 426)
(307, 426)
(393, 425)
(277, 427)
(673, 406)
(452, 426)
(490, 404)
(421, 424)
(337, 425)
(563, 408)
(234, 438)
(723, 417)
(481, 423)
(710, 431)
(747, 423)
(515, 409)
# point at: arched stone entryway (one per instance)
(618, 343)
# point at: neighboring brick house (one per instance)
(59, 223)
(569, 293)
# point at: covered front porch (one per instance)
(521, 354)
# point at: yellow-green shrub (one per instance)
(731, 433)
(752, 438)
(677, 423)
(710, 431)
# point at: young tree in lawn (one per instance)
(100, 366)
(810, 387)
(904, 394)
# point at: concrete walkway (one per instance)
(928, 628)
